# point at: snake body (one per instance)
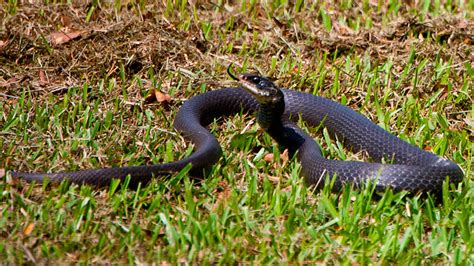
(413, 169)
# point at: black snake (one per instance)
(411, 168)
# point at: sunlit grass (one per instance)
(246, 209)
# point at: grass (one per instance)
(408, 68)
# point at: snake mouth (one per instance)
(252, 88)
(248, 85)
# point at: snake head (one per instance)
(263, 89)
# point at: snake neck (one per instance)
(270, 118)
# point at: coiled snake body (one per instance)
(413, 169)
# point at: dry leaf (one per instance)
(28, 229)
(274, 179)
(2, 172)
(268, 158)
(223, 194)
(42, 77)
(284, 156)
(157, 96)
(66, 21)
(162, 97)
(58, 38)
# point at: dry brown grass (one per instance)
(150, 40)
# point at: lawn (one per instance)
(89, 85)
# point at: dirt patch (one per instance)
(138, 42)
(135, 44)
